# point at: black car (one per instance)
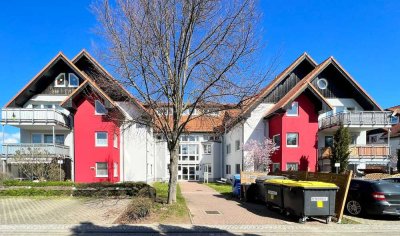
(374, 197)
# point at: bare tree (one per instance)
(177, 55)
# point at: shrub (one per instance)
(107, 189)
(138, 208)
(54, 172)
(37, 184)
(34, 192)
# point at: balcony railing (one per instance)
(35, 149)
(362, 118)
(33, 116)
(360, 151)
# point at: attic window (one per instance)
(60, 80)
(73, 80)
(322, 83)
(100, 109)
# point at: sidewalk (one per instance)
(201, 199)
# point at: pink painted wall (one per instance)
(306, 125)
(86, 123)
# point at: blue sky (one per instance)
(363, 35)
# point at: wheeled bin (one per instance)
(236, 185)
(274, 192)
(261, 192)
(309, 199)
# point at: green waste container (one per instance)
(309, 199)
(274, 192)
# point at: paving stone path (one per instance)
(21, 210)
(201, 199)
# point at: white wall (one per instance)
(254, 127)
(235, 156)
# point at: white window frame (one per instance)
(60, 85)
(324, 81)
(292, 163)
(280, 140)
(115, 169)
(297, 109)
(101, 176)
(228, 167)
(275, 166)
(41, 137)
(207, 148)
(228, 148)
(95, 108)
(69, 80)
(96, 140)
(115, 140)
(237, 145)
(297, 139)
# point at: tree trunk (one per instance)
(173, 174)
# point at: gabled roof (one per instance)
(257, 99)
(110, 78)
(332, 61)
(59, 56)
(293, 94)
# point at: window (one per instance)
(115, 140)
(237, 145)
(293, 110)
(73, 80)
(189, 152)
(207, 168)
(101, 139)
(101, 169)
(35, 106)
(207, 148)
(59, 138)
(115, 169)
(228, 169)
(322, 83)
(99, 108)
(189, 138)
(60, 80)
(36, 138)
(277, 140)
(354, 137)
(48, 106)
(292, 140)
(276, 167)
(328, 141)
(292, 166)
(228, 148)
(237, 168)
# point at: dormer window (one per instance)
(73, 80)
(100, 109)
(60, 80)
(293, 110)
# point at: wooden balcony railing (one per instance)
(362, 118)
(33, 116)
(360, 151)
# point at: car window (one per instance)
(386, 186)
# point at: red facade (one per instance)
(305, 124)
(87, 154)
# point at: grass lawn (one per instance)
(224, 189)
(163, 213)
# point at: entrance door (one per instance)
(188, 172)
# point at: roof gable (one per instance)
(41, 81)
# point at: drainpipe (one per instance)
(390, 153)
(242, 147)
(2, 148)
(147, 167)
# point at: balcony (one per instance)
(42, 151)
(369, 119)
(361, 152)
(30, 116)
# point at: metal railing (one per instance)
(33, 116)
(47, 149)
(361, 118)
(360, 151)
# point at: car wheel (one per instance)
(354, 208)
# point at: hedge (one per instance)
(103, 189)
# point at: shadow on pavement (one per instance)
(88, 228)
